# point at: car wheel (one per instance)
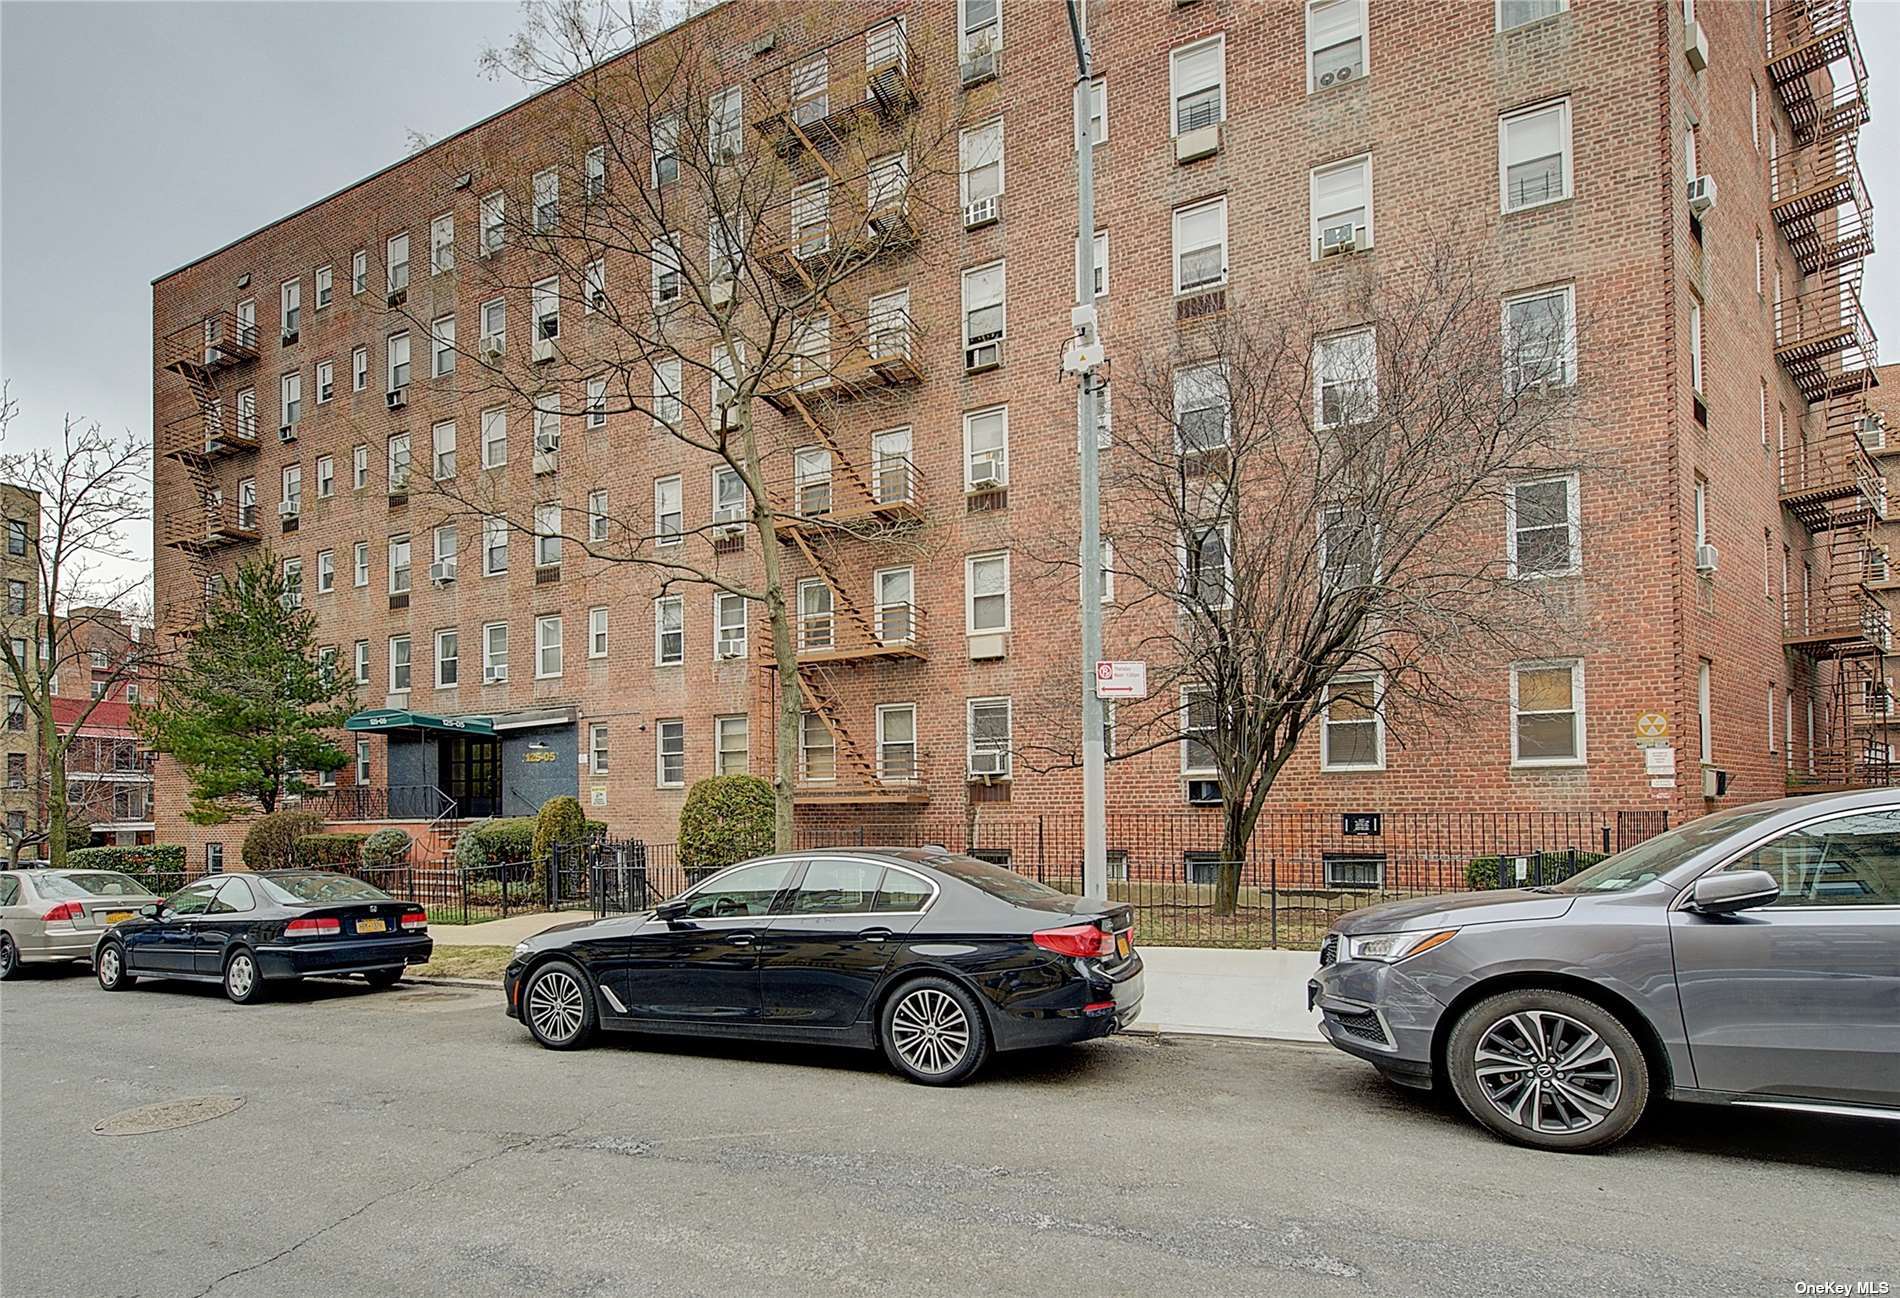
(111, 968)
(1548, 1069)
(934, 1032)
(383, 977)
(558, 1006)
(243, 982)
(9, 957)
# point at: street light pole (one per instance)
(1087, 353)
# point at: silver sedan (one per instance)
(49, 915)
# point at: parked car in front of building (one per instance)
(49, 916)
(248, 930)
(937, 959)
(1751, 957)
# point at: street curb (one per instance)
(1159, 1030)
(494, 985)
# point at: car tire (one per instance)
(557, 1005)
(383, 977)
(110, 968)
(243, 980)
(1548, 1069)
(9, 958)
(933, 1032)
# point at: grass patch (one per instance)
(464, 962)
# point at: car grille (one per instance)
(1365, 1026)
(1329, 950)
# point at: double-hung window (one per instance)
(293, 489)
(979, 27)
(442, 244)
(725, 124)
(816, 615)
(399, 463)
(1352, 737)
(494, 438)
(594, 286)
(732, 737)
(398, 664)
(729, 496)
(897, 743)
(987, 725)
(326, 287)
(986, 593)
(326, 477)
(597, 515)
(669, 631)
(1201, 408)
(359, 368)
(1207, 565)
(547, 428)
(986, 449)
(594, 172)
(494, 652)
(326, 571)
(326, 382)
(396, 262)
(1540, 341)
(668, 519)
(597, 403)
(984, 319)
(494, 319)
(1335, 43)
(361, 676)
(547, 536)
(894, 588)
(442, 438)
(729, 626)
(669, 741)
(980, 151)
(1197, 84)
(359, 564)
(1341, 202)
(398, 362)
(666, 392)
(545, 304)
(1345, 379)
(290, 305)
(1547, 713)
(494, 223)
(1521, 13)
(1543, 527)
(290, 398)
(1348, 546)
(1200, 715)
(494, 546)
(597, 631)
(359, 467)
(448, 659)
(547, 646)
(811, 218)
(666, 152)
(442, 346)
(399, 561)
(1200, 246)
(359, 271)
(547, 200)
(1534, 155)
(666, 259)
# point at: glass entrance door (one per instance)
(471, 774)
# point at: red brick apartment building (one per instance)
(1682, 175)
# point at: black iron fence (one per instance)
(379, 802)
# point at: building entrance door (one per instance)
(471, 774)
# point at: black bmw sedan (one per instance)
(244, 930)
(937, 959)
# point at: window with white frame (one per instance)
(597, 631)
(359, 368)
(987, 726)
(594, 172)
(984, 320)
(1701, 511)
(494, 438)
(1099, 249)
(1521, 13)
(1345, 379)
(293, 488)
(361, 673)
(732, 739)
(359, 271)
(445, 541)
(669, 741)
(1540, 339)
(494, 546)
(326, 571)
(666, 392)
(448, 659)
(326, 477)
(723, 384)
(816, 621)
(547, 535)
(665, 148)
(1352, 734)
(1202, 408)
(494, 317)
(1197, 84)
(1098, 112)
(669, 631)
(1695, 344)
(399, 563)
(1199, 716)
(1543, 527)
(980, 156)
(547, 200)
(494, 221)
(326, 382)
(1348, 545)
(597, 403)
(326, 287)
(1207, 566)
(396, 262)
(979, 27)
(729, 496)
(442, 243)
(359, 564)
(544, 300)
(1341, 202)
(594, 286)
(399, 462)
(547, 645)
(726, 235)
(290, 305)
(290, 398)
(547, 425)
(442, 346)
(811, 218)
(668, 520)
(1335, 42)
(886, 182)
(1547, 713)
(442, 437)
(597, 514)
(247, 413)
(729, 626)
(494, 652)
(894, 606)
(986, 593)
(1705, 730)
(725, 123)
(1200, 246)
(666, 260)
(597, 747)
(896, 743)
(359, 467)
(891, 466)
(396, 366)
(399, 664)
(1534, 155)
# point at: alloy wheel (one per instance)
(110, 966)
(8, 956)
(556, 1006)
(241, 976)
(1547, 1072)
(930, 1031)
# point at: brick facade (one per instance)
(1434, 81)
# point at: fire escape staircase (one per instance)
(1816, 68)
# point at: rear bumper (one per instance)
(305, 959)
(1083, 1009)
(1377, 1013)
(57, 942)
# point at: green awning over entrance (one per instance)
(403, 719)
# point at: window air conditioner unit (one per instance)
(399, 488)
(1201, 142)
(545, 461)
(720, 291)
(1695, 44)
(727, 528)
(491, 348)
(982, 356)
(286, 509)
(731, 647)
(988, 647)
(442, 571)
(977, 66)
(985, 476)
(289, 336)
(494, 675)
(981, 213)
(1338, 239)
(1706, 558)
(1714, 782)
(397, 297)
(989, 763)
(1701, 195)
(397, 398)
(1338, 76)
(597, 299)
(287, 434)
(1203, 793)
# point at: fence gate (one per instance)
(618, 880)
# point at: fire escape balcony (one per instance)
(815, 506)
(216, 342)
(1843, 617)
(883, 356)
(1830, 483)
(813, 106)
(207, 435)
(1823, 339)
(219, 525)
(817, 247)
(1816, 68)
(894, 632)
(1820, 203)
(834, 768)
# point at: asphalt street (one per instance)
(416, 1142)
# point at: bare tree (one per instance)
(1303, 515)
(92, 488)
(720, 234)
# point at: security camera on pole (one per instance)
(1083, 355)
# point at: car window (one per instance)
(1651, 859)
(746, 891)
(308, 887)
(1851, 860)
(9, 891)
(900, 891)
(105, 883)
(837, 888)
(233, 898)
(999, 882)
(194, 899)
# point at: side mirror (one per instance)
(149, 910)
(670, 911)
(1725, 893)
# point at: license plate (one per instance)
(372, 926)
(114, 916)
(1123, 947)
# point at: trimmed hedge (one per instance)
(386, 847)
(495, 842)
(559, 821)
(150, 858)
(317, 851)
(725, 819)
(271, 841)
(1546, 868)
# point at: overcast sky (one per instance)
(135, 137)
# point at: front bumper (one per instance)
(1379, 1013)
(357, 955)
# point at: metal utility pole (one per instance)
(1084, 355)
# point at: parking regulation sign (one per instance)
(1121, 680)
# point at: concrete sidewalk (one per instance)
(1210, 990)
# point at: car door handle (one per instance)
(874, 934)
(740, 939)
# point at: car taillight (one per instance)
(66, 911)
(414, 921)
(1084, 940)
(313, 927)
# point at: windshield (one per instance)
(1657, 856)
(106, 883)
(308, 888)
(999, 882)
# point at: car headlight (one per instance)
(521, 949)
(1390, 948)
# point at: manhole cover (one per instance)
(168, 1115)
